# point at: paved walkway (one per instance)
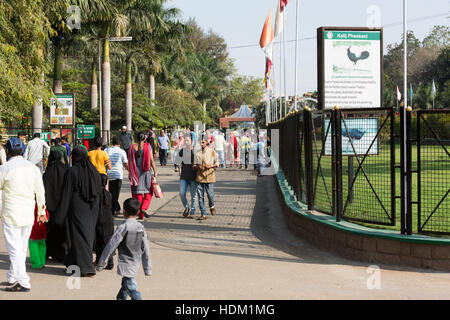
(244, 252)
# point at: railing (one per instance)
(344, 162)
(432, 155)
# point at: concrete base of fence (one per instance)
(360, 243)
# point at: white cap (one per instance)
(124, 127)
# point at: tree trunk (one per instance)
(128, 95)
(94, 87)
(57, 69)
(37, 111)
(37, 116)
(152, 87)
(106, 93)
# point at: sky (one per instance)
(240, 23)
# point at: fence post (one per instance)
(337, 163)
(408, 172)
(405, 169)
(298, 154)
(307, 138)
(393, 166)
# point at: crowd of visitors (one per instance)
(60, 203)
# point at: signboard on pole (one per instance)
(62, 110)
(350, 67)
(46, 136)
(359, 132)
(85, 131)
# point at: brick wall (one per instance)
(367, 248)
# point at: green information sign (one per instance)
(86, 131)
(46, 136)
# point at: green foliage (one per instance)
(428, 60)
(243, 90)
(192, 67)
(23, 34)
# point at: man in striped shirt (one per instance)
(118, 159)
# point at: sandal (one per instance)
(17, 288)
(202, 218)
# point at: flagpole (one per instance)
(404, 153)
(284, 62)
(281, 86)
(396, 99)
(296, 57)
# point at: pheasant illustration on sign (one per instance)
(353, 135)
(354, 58)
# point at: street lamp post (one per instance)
(113, 39)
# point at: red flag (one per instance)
(267, 73)
(283, 3)
(267, 32)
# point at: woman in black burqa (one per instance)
(53, 183)
(105, 226)
(79, 208)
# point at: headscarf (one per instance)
(89, 181)
(54, 179)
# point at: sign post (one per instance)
(62, 110)
(85, 131)
(46, 136)
(350, 67)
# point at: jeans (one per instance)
(129, 288)
(175, 158)
(246, 157)
(114, 188)
(221, 157)
(163, 156)
(183, 190)
(209, 188)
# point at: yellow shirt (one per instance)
(100, 160)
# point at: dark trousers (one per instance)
(246, 159)
(163, 156)
(114, 188)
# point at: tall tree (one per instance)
(24, 31)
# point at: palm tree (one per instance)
(151, 30)
(165, 36)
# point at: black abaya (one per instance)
(53, 183)
(105, 226)
(78, 211)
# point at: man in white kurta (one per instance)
(22, 188)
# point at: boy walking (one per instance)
(131, 240)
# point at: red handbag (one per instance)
(157, 189)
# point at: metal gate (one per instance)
(433, 171)
(366, 151)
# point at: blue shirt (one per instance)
(163, 142)
(118, 157)
(194, 138)
(68, 150)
